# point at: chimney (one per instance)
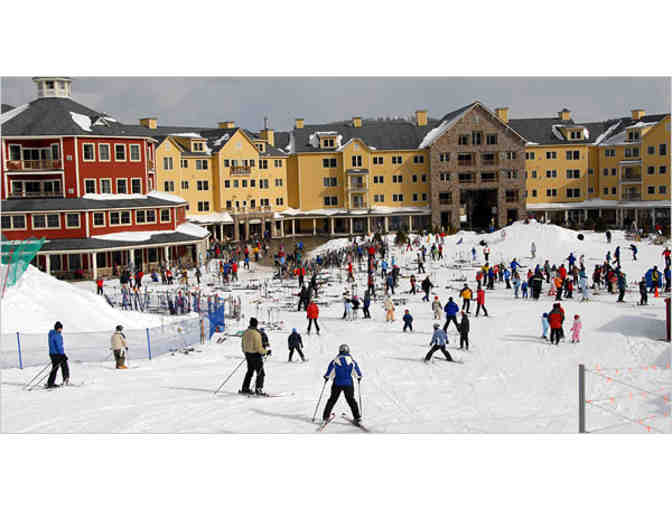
(228, 124)
(268, 135)
(357, 122)
(637, 113)
(565, 114)
(503, 114)
(421, 117)
(148, 122)
(298, 123)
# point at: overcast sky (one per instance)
(202, 102)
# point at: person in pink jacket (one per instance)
(576, 329)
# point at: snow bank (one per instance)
(38, 300)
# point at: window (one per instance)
(651, 170)
(203, 206)
(201, 164)
(13, 222)
(573, 192)
(398, 198)
(72, 220)
(463, 140)
(418, 160)
(444, 156)
(491, 140)
(134, 150)
(184, 185)
(277, 163)
(510, 155)
(512, 174)
(168, 163)
(662, 149)
(198, 146)
(414, 178)
(651, 150)
(605, 191)
(330, 181)
(356, 160)
(573, 155)
(235, 183)
(662, 189)
(89, 185)
(120, 154)
(202, 185)
(263, 183)
(551, 192)
(651, 190)
(88, 152)
(551, 155)
(14, 153)
(610, 153)
(397, 178)
(591, 189)
(46, 221)
(331, 162)
(424, 177)
(281, 201)
(415, 197)
(397, 160)
(662, 170)
(98, 219)
(253, 183)
(328, 142)
(227, 183)
(278, 182)
(445, 198)
(244, 181)
(330, 201)
(378, 179)
(121, 186)
(184, 163)
(377, 160)
(424, 197)
(169, 186)
(551, 174)
(444, 176)
(591, 171)
(165, 215)
(534, 174)
(264, 202)
(573, 174)
(253, 203)
(225, 163)
(529, 155)
(263, 164)
(613, 171)
(140, 216)
(534, 193)
(476, 138)
(379, 198)
(136, 185)
(125, 217)
(613, 190)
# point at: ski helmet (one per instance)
(120, 327)
(437, 325)
(343, 349)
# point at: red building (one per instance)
(85, 182)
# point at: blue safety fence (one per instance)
(19, 350)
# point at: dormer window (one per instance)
(633, 135)
(260, 147)
(197, 146)
(328, 142)
(575, 135)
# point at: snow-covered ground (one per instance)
(511, 381)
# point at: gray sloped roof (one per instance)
(17, 205)
(83, 244)
(52, 116)
(626, 122)
(540, 130)
(5, 108)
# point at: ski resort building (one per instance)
(85, 182)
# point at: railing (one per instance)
(465, 162)
(359, 205)
(36, 194)
(357, 187)
(250, 210)
(240, 170)
(631, 178)
(445, 201)
(509, 199)
(488, 162)
(466, 178)
(488, 177)
(42, 164)
(631, 196)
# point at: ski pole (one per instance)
(319, 399)
(29, 383)
(230, 375)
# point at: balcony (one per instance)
(631, 195)
(250, 211)
(445, 201)
(488, 160)
(359, 204)
(240, 170)
(489, 177)
(357, 187)
(466, 178)
(465, 162)
(36, 194)
(631, 177)
(41, 164)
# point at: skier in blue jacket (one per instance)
(408, 321)
(342, 367)
(451, 310)
(58, 357)
(438, 343)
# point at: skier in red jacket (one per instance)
(555, 319)
(313, 312)
(480, 300)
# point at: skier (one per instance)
(465, 294)
(253, 349)
(555, 319)
(58, 357)
(295, 344)
(608, 234)
(544, 326)
(486, 253)
(533, 250)
(304, 295)
(464, 332)
(408, 321)
(389, 309)
(438, 342)
(451, 310)
(119, 347)
(634, 252)
(365, 305)
(473, 254)
(576, 330)
(617, 255)
(516, 284)
(312, 313)
(644, 297)
(99, 286)
(437, 307)
(342, 366)
(421, 266)
(426, 286)
(622, 282)
(667, 254)
(480, 301)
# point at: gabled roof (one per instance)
(618, 132)
(541, 130)
(62, 116)
(5, 108)
(80, 204)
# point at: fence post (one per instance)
(582, 399)
(18, 341)
(149, 344)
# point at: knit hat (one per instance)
(253, 322)
(58, 325)
(576, 316)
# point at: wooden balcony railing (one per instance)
(42, 164)
(631, 196)
(489, 177)
(465, 162)
(240, 170)
(627, 177)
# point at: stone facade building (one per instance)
(477, 169)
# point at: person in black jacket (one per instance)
(304, 296)
(464, 332)
(295, 344)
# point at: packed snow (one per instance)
(510, 379)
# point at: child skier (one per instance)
(389, 309)
(464, 332)
(437, 307)
(408, 321)
(295, 344)
(545, 326)
(576, 330)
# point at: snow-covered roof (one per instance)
(600, 203)
(187, 135)
(12, 113)
(144, 235)
(607, 133)
(126, 196)
(356, 212)
(221, 217)
(83, 121)
(439, 130)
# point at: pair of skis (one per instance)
(346, 417)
